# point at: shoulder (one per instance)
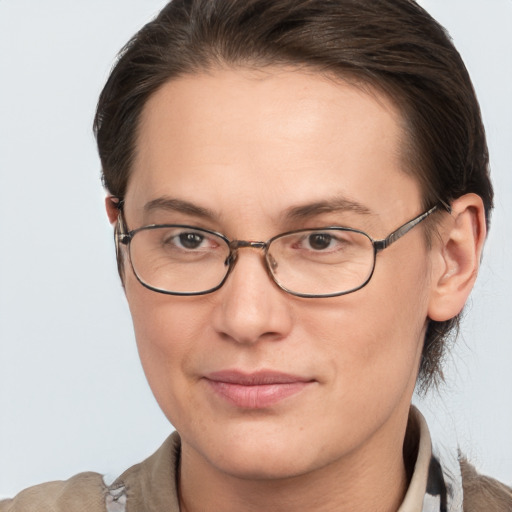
(149, 485)
(152, 484)
(482, 492)
(84, 492)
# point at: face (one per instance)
(260, 383)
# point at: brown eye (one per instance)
(319, 241)
(191, 240)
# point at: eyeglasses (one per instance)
(178, 259)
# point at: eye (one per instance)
(324, 241)
(185, 240)
(190, 240)
(320, 241)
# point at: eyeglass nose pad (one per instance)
(272, 262)
(230, 259)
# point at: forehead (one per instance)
(268, 140)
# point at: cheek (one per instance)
(167, 330)
(373, 338)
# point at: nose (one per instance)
(251, 307)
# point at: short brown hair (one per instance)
(392, 45)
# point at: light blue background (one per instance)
(72, 393)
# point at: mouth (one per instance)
(257, 390)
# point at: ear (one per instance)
(112, 207)
(456, 257)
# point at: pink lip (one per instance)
(255, 390)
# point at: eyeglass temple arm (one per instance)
(402, 230)
(121, 231)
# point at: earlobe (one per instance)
(112, 207)
(456, 257)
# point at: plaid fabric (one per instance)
(444, 484)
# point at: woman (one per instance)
(300, 196)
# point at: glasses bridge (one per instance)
(238, 244)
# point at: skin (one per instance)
(248, 146)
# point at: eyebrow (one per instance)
(178, 205)
(337, 204)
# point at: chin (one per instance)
(256, 464)
(262, 452)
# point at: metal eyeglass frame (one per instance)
(124, 237)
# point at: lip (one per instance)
(257, 390)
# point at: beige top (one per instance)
(151, 486)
